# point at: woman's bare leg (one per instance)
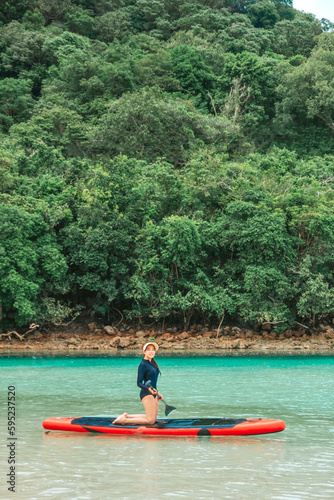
(151, 406)
(157, 406)
(124, 415)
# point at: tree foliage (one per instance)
(170, 160)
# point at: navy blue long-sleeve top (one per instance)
(147, 371)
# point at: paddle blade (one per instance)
(169, 409)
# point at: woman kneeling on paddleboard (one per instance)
(148, 370)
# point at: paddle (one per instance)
(168, 408)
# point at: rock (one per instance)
(173, 329)
(115, 341)
(206, 335)
(299, 333)
(266, 327)
(271, 336)
(110, 330)
(91, 327)
(329, 335)
(288, 334)
(322, 347)
(36, 335)
(124, 342)
(166, 345)
(326, 328)
(183, 336)
(165, 336)
(71, 341)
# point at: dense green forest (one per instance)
(166, 161)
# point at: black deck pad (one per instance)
(175, 423)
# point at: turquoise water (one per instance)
(297, 463)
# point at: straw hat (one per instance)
(156, 347)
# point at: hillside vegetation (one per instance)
(166, 161)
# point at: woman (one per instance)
(148, 370)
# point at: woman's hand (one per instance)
(160, 396)
(153, 391)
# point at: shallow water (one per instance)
(297, 463)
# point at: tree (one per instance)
(16, 102)
(149, 124)
(193, 74)
(199, 18)
(14, 10)
(33, 20)
(308, 89)
(99, 241)
(57, 48)
(316, 296)
(56, 11)
(157, 70)
(22, 55)
(57, 127)
(245, 91)
(22, 49)
(167, 280)
(263, 14)
(241, 35)
(297, 36)
(113, 25)
(27, 273)
(80, 22)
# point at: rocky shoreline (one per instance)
(108, 339)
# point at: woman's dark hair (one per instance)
(154, 363)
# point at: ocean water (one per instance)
(297, 463)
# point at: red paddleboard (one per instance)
(168, 427)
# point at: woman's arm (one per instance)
(141, 375)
